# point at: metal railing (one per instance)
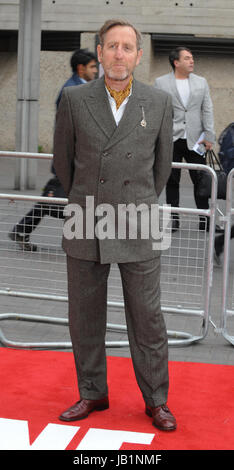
(227, 311)
(173, 268)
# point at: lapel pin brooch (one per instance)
(143, 121)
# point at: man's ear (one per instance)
(99, 52)
(139, 56)
(80, 69)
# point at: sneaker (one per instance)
(204, 225)
(175, 224)
(219, 229)
(22, 241)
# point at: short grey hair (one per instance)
(118, 22)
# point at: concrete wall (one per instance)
(211, 17)
(7, 100)
(55, 69)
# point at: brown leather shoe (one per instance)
(82, 408)
(163, 419)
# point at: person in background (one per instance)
(219, 245)
(84, 68)
(193, 123)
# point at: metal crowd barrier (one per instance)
(186, 273)
(39, 274)
(227, 311)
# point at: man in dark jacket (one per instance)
(84, 67)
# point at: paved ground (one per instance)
(213, 348)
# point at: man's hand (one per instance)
(208, 145)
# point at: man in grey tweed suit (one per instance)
(113, 145)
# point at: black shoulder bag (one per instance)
(203, 188)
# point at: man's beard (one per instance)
(118, 77)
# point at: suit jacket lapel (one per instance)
(174, 88)
(132, 116)
(100, 109)
(191, 86)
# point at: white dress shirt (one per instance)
(117, 113)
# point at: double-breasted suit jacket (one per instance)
(128, 163)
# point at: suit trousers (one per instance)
(87, 293)
(172, 188)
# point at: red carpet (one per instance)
(37, 385)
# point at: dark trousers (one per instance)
(87, 294)
(173, 185)
(219, 241)
(31, 220)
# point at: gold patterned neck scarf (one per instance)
(119, 96)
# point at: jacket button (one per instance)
(129, 155)
(102, 181)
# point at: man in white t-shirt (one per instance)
(192, 122)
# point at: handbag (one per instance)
(204, 180)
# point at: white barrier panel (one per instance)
(227, 312)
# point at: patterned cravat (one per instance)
(119, 96)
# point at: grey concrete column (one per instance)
(28, 85)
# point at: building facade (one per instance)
(207, 28)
